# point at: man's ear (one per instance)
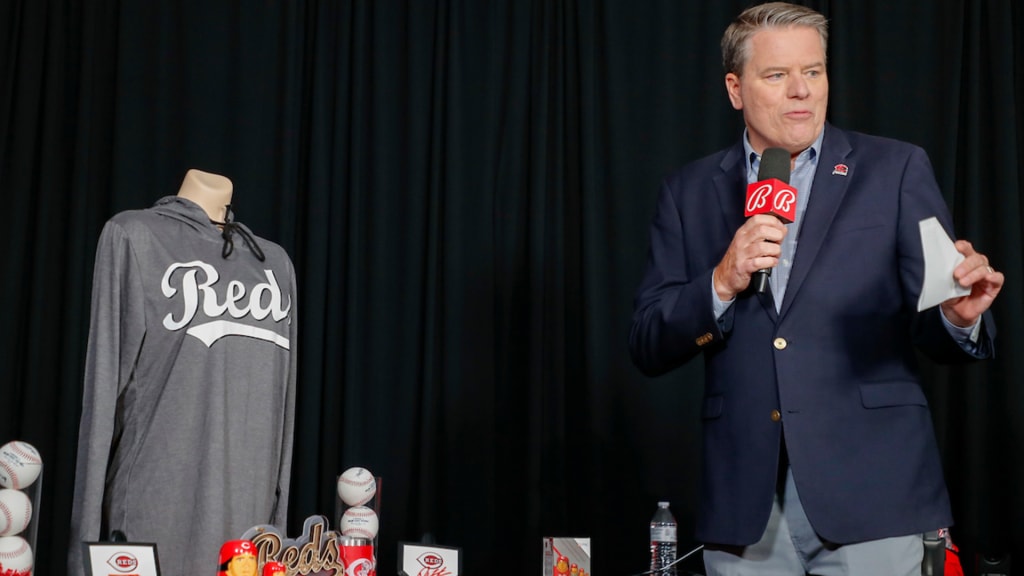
(732, 86)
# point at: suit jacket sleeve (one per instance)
(673, 316)
(929, 331)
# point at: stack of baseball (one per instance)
(357, 488)
(20, 465)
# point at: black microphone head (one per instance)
(774, 164)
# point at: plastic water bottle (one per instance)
(663, 539)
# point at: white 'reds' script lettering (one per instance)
(195, 291)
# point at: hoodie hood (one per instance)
(191, 214)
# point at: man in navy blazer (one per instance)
(819, 454)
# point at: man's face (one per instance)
(242, 565)
(783, 90)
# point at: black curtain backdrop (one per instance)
(465, 188)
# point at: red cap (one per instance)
(274, 569)
(233, 549)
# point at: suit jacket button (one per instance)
(780, 343)
(776, 416)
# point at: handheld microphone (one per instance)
(771, 194)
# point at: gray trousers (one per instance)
(790, 547)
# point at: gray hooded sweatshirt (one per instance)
(189, 393)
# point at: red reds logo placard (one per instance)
(123, 562)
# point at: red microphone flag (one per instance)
(771, 196)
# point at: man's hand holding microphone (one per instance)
(757, 245)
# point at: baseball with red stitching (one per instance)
(359, 522)
(356, 486)
(15, 556)
(20, 464)
(15, 512)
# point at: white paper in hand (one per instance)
(940, 259)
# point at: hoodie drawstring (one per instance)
(228, 229)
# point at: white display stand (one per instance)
(105, 558)
(423, 560)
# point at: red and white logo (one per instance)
(433, 565)
(841, 170)
(430, 560)
(772, 196)
(361, 567)
(123, 562)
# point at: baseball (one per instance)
(15, 556)
(19, 464)
(356, 486)
(359, 522)
(15, 512)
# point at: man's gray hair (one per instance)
(736, 40)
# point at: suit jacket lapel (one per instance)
(829, 187)
(731, 185)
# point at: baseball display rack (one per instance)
(21, 481)
(357, 512)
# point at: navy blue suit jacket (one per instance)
(834, 370)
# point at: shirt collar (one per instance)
(754, 159)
